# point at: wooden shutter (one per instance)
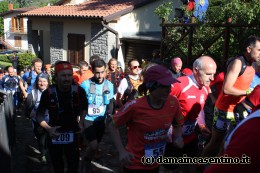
(76, 47)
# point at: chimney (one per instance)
(10, 6)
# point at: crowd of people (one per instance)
(162, 110)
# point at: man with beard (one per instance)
(66, 103)
(30, 77)
(99, 95)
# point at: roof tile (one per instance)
(89, 9)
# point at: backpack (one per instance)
(29, 78)
(54, 102)
(130, 93)
(244, 64)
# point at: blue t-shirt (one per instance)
(96, 106)
(10, 83)
(255, 81)
(25, 76)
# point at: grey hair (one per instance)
(198, 63)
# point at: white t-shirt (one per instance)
(123, 84)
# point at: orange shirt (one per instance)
(226, 102)
(79, 79)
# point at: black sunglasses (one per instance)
(135, 67)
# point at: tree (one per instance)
(241, 12)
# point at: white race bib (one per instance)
(64, 138)
(155, 150)
(188, 128)
(222, 124)
(94, 110)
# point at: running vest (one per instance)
(54, 102)
(97, 100)
(131, 92)
(226, 102)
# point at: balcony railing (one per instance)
(18, 30)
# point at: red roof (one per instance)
(103, 9)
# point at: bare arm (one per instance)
(124, 156)
(232, 74)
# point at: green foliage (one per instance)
(241, 11)
(25, 60)
(4, 58)
(164, 10)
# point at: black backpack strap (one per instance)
(242, 59)
(129, 83)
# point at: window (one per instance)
(17, 41)
(17, 24)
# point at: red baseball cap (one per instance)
(160, 74)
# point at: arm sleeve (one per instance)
(176, 90)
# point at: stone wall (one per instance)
(56, 41)
(99, 41)
(33, 39)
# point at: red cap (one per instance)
(159, 74)
(63, 66)
(187, 71)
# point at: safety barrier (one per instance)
(7, 131)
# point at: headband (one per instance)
(63, 66)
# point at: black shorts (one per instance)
(190, 149)
(95, 131)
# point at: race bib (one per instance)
(188, 127)
(155, 150)
(64, 138)
(222, 124)
(94, 110)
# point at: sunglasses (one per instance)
(135, 67)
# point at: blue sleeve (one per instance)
(85, 86)
(25, 76)
(111, 89)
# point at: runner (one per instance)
(128, 87)
(65, 103)
(31, 104)
(250, 104)
(238, 78)
(99, 95)
(192, 93)
(148, 119)
(10, 84)
(242, 147)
